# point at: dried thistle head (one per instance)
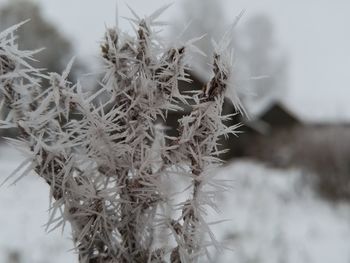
(6, 64)
(109, 45)
(106, 172)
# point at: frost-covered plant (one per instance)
(106, 162)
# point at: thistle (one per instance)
(107, 164)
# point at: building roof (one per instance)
(278, 114)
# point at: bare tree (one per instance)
(261, 73)
(201, 18)
(39, 33)
(262, 64)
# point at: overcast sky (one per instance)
(314, 33)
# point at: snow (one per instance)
(274, 216)
(23, 214)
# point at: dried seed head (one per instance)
(110, 45)
(6, 64)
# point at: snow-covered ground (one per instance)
(275, 217)
(23, 214)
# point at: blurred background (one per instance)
(290, 166)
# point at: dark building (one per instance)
(271, 139)
(278, 115)
(253, 134)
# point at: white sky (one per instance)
(314, 33)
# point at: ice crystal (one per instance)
(107, 162)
